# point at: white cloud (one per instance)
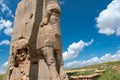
(6, 25)
(3, 68)
(106, 58)
(5, 64)
(5, 42)
(108, 21)
(4, 8)
(75, 48)
(8, 31)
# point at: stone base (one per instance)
(44, 73)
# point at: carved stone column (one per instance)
(49, 41)
(23, 44)
(36, 50)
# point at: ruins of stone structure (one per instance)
(36, 51)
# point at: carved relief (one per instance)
(29, 46)
(49, 32)
(50, 40)
(20, 51)
(52, 13)
(20, 57)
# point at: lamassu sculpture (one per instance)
(36, 50)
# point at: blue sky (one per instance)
(90, 31)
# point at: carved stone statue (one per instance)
(49, 40)
(36, 50)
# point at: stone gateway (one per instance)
(36, 50)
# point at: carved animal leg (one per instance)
(60, 64)
(58, 57)
(48, 53)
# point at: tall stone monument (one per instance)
(36, 51)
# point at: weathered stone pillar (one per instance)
(49, 41)
(23, 44)
(36, 51)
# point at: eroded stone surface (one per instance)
(36, 51)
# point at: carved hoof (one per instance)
(64, 77)
(55, 78)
